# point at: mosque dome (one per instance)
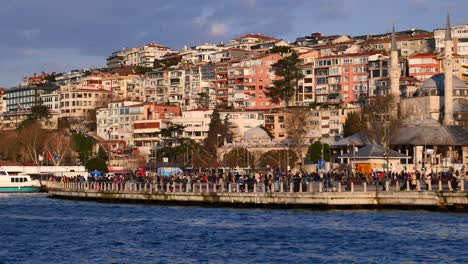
(435, 85)
(256, 134)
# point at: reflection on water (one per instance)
(35, 229)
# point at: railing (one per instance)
(275, 187)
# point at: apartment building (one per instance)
(118, 85)
(423, 65)
(248, 81)
(200, 87)
(12, 120)
(200, 53)
(226, 55)
(305, 91)
(52, 100)
(23, 98)
(407, 44)
(2, 100)
(459, 39)
(136, 123)
(242, 120)
(221, 82)
(196, 123)
(138, 56)
(342, 78)
(246, 42)
(155, 86)
(71, 77)
(78, 101)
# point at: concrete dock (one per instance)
(211, 195)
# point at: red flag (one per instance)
(49, 156)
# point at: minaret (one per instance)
(448, 72)
(395, 70)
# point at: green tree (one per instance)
(280, 49)
(96, 164)
(83, 145)
(142, 70)
(354, 124)
(102, 154)
(285, 88)
(314, 153)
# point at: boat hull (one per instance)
(22, 189)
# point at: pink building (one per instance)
(248, 80)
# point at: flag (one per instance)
(57, 157)
(40, 158)
(49, 156)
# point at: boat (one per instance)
(18, 183)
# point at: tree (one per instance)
(314, 153)
(102, 154)
(382, 119)
(83, 145)
(40, 112)
(280, 49)
(218, 132)
(32, 141)
(96, 164)
(171, 134)
(142, 70)
(296, 126)
(285, 88)
(57, 146)
(354, 123)
(278, 159)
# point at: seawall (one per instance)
(430, 200)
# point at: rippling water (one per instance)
(36, 229)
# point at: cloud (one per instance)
(26, 61)
(219, 29)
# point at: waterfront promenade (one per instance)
(313, 196)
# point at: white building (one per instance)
(459, 38)
(196, 123)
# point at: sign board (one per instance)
(165, 159)
(321, 164)
(430, 151)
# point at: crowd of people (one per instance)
(273, 180)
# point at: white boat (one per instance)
(17, 183)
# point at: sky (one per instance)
(60, 35)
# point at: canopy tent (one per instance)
(168, 171)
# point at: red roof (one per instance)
(258, 36)
(425, 55)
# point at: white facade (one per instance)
(200, 53)
(459, 37)
(51, 100)
(116, 121)
(196, 123)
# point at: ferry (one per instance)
(18, 183)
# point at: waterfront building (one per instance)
(240, 121)
(51, 100)
(305, 92)
(23, 98)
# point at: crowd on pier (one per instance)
(272, 181)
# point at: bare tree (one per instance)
(58, 145)
(296, 126)
(32, 141)
(383, 120)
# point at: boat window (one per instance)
(2, 173)
(12, 179)
(20, 179)
(16, 180)
(25, 179)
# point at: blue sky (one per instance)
(59, 35)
